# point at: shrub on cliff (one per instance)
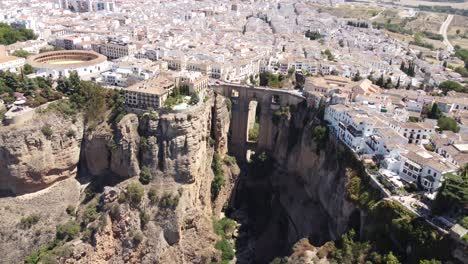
(134, 194)
(359, 191)
(389, 217)
(153, 196)
(71, 133)
(218, 181)
(169, 201)
(90, 213)
(224, 226)
(320, 136)
(145, 175)
(47, 131)
(137, 237)
(144, 219)
(227, 253)
(67, 231)
(230, 160)
(28, 221)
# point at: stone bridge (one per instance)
(250, 104)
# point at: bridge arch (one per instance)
(268, 101)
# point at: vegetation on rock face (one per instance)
(230, 160)
(47, 131)
(145, 175)
(218, 181)
(391, 223)
(144, 219)
(169, 200)
(348, 250)
(28, 221)
(10, 35)
(359, 190)
(320, 136)
(453, 195)
(134, 194)
(67, 231)
(153, 196)
(46, 254)
(224, 228)
(90, 213)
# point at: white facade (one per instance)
(11, 63)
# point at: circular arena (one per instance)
(56, 64)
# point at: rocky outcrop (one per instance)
(221, 122)
(125, 148)
(177, 149)
(39, 153)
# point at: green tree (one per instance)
(453, 195)
(390, 259)
(10, 35)
(451, 86)
(357, 77)
(21, 53)
(448, 123)
(380, 81)
(435, 112)
(28, 69)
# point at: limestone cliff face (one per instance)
(318, 171)
(108, 152)
(40, 152)
(305, 190)
(177, 148)
(124, 157)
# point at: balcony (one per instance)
(354, 132)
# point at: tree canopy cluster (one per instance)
(10, 35)
(94, 100)
(313, 35)
(37, 90)
(453, 195)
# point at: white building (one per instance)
(11, 63)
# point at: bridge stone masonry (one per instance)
(243, 114)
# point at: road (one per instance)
(443, 32)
